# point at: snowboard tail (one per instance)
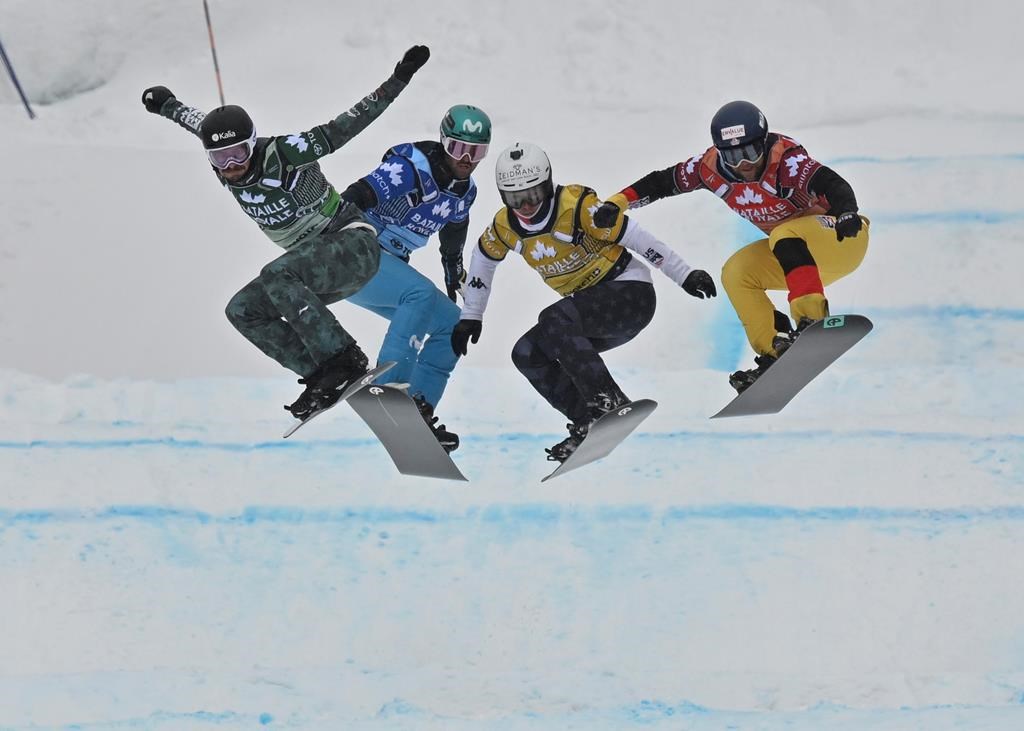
(397, 422)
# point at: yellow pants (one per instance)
(754, 269)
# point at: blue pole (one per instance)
(14, 78)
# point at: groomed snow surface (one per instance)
(168, 562)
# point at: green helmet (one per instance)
(468, 124)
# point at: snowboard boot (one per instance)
(325, 385)
(564, 449)
(742, 380)
(607, 400)
(804, 323)
(783, 340)
(448, 440)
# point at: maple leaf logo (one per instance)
(442, 209)
(793, 164)
(691, 164)
(540, 251)
(394, 171)
(749, 196)
(248, 197)
(298, 142)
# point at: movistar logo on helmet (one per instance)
(467, 123)
(734, 133)
(218, 136)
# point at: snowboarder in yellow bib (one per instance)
(607, 293)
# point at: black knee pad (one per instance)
(792, 253)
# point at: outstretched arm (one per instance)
(651, 187)
(347, 125)
(160, 100)
(660, 255)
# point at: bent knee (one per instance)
(733, 273)
(422, 293)
(561, 316)
(276, 270)
(235, 309)
(525, 353)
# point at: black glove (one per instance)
(463, 332)
(411, 62)
(154, 98)
(454, 276)
(606, 215)
(848, 225)
(699, 284)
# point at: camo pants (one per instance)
(560, 355)
(283, 311)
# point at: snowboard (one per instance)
(814, 350)
(606, 434)
(353, 388)
(396, 421)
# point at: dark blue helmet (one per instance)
(739, 131)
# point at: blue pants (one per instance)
(422, 319)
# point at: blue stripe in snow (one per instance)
(967, 216)
(314, 445)
(536, 513)
(949, 312)
(923, 160)
(225, 718)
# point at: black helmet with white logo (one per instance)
(226, 126)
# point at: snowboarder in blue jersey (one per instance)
(422, 188)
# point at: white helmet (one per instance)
(523, 175)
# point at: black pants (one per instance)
(560, 355)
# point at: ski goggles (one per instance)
(531, 196)
(459, 149)
(751, 152)
(236, 154)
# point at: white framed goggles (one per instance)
(531, 196)
(751, 152)
(223, 157)
(459, 149)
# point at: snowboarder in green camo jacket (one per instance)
(331, 250)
